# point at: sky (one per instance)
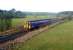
(37, 5)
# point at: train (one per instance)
(26, 27)
(29, 25)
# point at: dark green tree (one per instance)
(6, 18)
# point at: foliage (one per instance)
(66, 14)
(6, 18)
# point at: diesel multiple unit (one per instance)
(27, 26)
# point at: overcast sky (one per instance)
(37, 5)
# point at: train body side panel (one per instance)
(36, 24)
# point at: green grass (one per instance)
(18, 21)
(38, 17)
(57, 38)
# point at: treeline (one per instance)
(39, 13)
(6, 18)
(66, 14)
(19, 14)
(11, 14)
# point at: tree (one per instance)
(6, 18)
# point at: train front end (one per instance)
(27, 26)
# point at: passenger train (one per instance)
(26, 27)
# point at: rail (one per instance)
(28, 36)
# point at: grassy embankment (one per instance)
(57, 38)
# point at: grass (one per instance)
(18, 21)
(58, 38)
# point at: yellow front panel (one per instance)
(29, 25)
(26, 24)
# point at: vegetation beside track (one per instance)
(17, 21)
(58, 38)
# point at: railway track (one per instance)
(27, 36)
(22, 38)
(23, 29)
(34, 33)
